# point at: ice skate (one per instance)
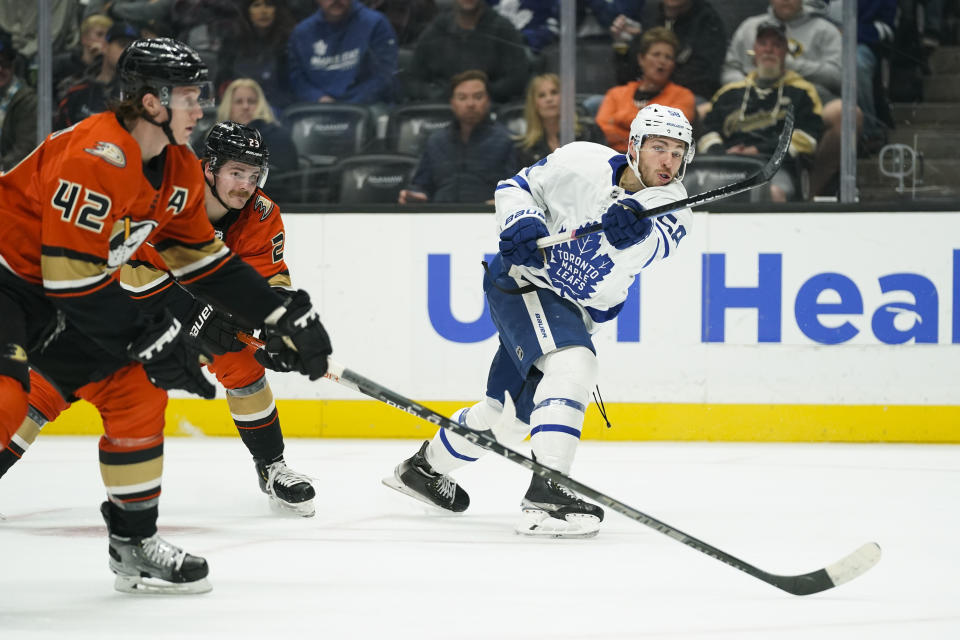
(551, 510)
(416, 478)
(289, 491)
(154, 566)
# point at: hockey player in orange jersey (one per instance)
(76, 209)
(235, 167)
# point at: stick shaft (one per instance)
(804, 584)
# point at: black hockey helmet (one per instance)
(160, 64)
(234, 141)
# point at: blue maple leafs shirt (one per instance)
(572, 188)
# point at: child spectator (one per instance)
(101, 84)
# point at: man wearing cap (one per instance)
(814, 45)
(18, 109)
(92, 94)
(746, 115)
(814, 54)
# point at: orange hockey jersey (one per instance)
(254, 233)
(78, 207)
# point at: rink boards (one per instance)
(767, 327)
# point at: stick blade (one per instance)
(844, 570)
(855, 564)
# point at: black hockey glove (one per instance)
(621, 225)
(171, 358)
(215, 330)
(300, 325)
(276, 355)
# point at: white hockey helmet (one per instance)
(658, 120)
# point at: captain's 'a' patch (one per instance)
(263, 205)
(109, 152)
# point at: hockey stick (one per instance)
(759, 178)
(837, 573)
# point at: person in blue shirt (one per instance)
(345, 52)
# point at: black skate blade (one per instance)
(394, 483)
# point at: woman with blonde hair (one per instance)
(541, 113)
(243, 101)
(656, 56)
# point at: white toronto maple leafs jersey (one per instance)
(571, 188)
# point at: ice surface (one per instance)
(376, 564)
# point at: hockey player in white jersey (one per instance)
(546, 304)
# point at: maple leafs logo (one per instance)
(576, 267)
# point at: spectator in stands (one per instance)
(70, 67)
(655, 54)
(101, 84)
(747, 115)
(469, 35)
(155, 15)
(536, 20)
(464, 161)
(407, 17)
(623, 30)
(701, 44)
(814, 46)
(19, 19)
(541, 113)
(244, 102)
(345, 52)
(18, 108)
(814, 53)
(205, 25)
(260, 50)
(616, 19)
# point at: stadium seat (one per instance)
(307, 184)
(325, 133)
(409, 126)
(376, 177)
(710, 172)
